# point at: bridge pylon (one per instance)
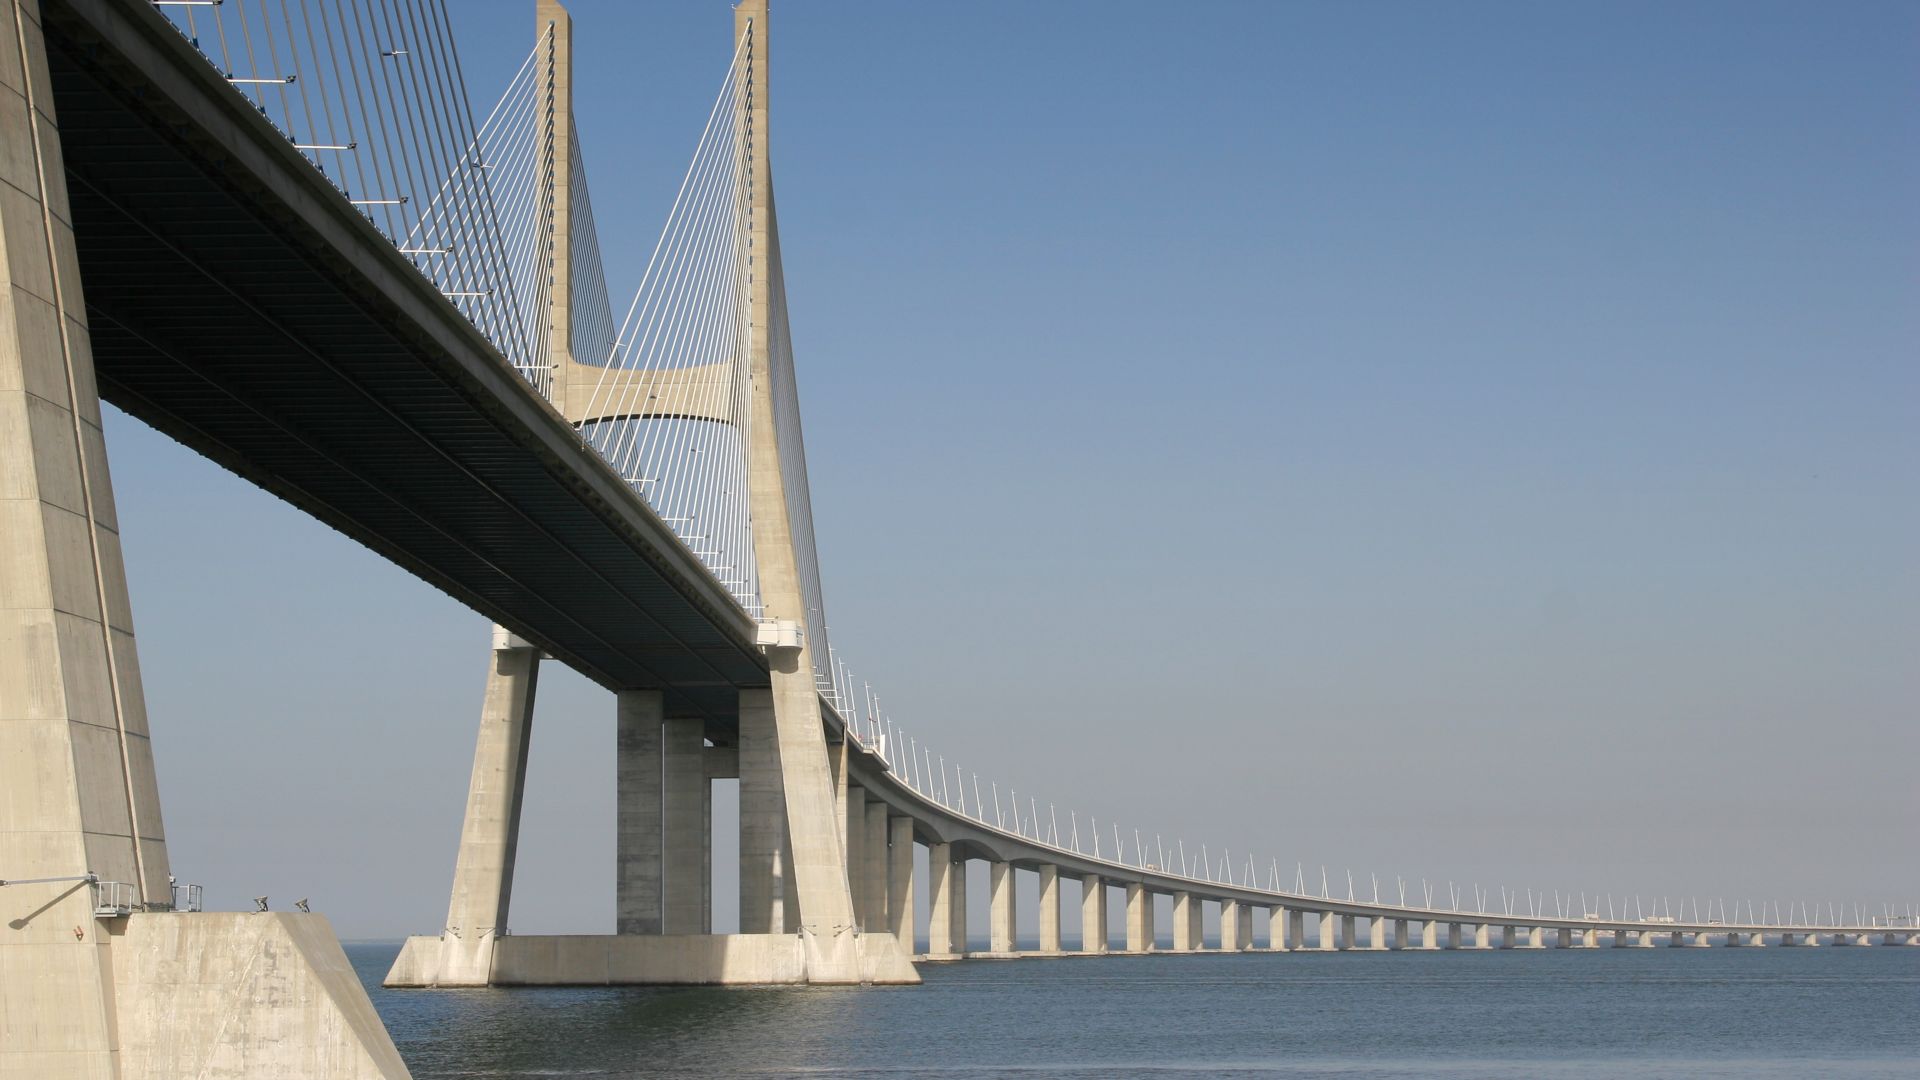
(797, 902)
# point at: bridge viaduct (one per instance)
(169, 249)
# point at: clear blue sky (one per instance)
(1472, 441)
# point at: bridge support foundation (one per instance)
(1325, 941)
(1236, 926)
(900, 882)
(878, 917)
(1093, 914)
(1140, 933)
(1049, 910)
(1003, 918)
(946, 904)
(1296, 929)
(1186, 922)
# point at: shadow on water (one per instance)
(1632, 1013)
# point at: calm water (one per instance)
(1611, 1013)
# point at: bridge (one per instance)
(293, 244)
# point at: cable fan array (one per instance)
(671, 399)
(372, 93)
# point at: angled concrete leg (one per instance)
(1093, 914)
(489, 835)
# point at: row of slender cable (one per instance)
(669, 408)
(372, 92)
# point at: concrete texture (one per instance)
(946, 903)
(900, 900)
(229, 996)
(763, 818)
(873, 871)
(639, 881)
(1139, 918)
(686, 828)
(1186, 922)
(683, 959)
(1002, 926)
(1093, 914)
(853, 828)
(1049, 909)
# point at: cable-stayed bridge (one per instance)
(283, 233)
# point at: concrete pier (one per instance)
(1534, 939)
(1296, 929)
(1049, 909)
(1186, 922)
(1507, 935)
(878, 916)
(763, 821)
(900, 881)
(638, 852)
(686, 829)
(1325, 941)
(947, 904)
(1400, 933)
(1139, 919)
(1002, 925)
(1236, 926)
(1480, 935)
(1093, 914)
(1377, 933)
(853, 830)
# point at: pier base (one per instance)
(662, 960)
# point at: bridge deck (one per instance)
(338, 378)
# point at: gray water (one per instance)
(1358, 1016)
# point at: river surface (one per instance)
(1635, 1013)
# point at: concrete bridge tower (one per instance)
(797, 909)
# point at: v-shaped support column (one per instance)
(817, 878)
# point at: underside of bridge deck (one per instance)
(241, 305)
